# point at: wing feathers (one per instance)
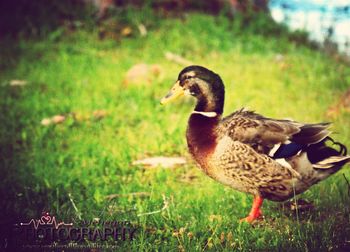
(264, 133)
(311, 133)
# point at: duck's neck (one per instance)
(201, 136)
(211, 101)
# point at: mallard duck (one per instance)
(268, 158)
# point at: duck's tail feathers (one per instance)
(332, 162)
(325, 157)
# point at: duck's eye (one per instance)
(187, 77)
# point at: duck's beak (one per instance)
(175, 92)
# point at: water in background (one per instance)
(323, 19)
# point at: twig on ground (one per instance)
(347, 181)
(133, 194)
(165, 206)
(165, 162)
(74, 206)
(177, 59)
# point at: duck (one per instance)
(273, 159)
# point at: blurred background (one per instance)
(80, 84)
(323, 20)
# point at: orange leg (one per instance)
(255, 213)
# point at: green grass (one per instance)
(76, 72)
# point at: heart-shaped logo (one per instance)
(45, 219)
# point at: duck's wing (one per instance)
(276, 138)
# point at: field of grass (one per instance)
(70, 168)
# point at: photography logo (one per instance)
(46, 219)
(47, 232)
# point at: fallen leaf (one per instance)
(126, 31)
(99, 114)
(142, 74)
(46, 121)
(74, 117)
(18, 83)
(142, 30)
(55, 120)
(58, 119)
(165, 162)
(279, 57)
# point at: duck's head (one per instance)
(201, 83)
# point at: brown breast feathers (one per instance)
(201, 137)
